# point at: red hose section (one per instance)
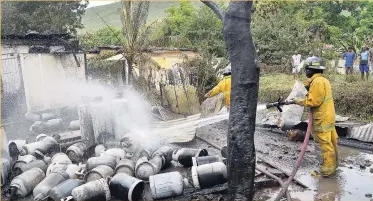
(299, 160)
(288, 197)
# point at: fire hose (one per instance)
(285, 185)
(299, 160)
(277, 104)
(288, 197)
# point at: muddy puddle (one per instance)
(353, 181)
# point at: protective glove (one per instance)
(299, 101)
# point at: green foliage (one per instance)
(344, 24)
(281, 27)
(109, 12)
(205, 68)
(277, 37)
(101, 69)
(199, 27)
(41, 16)
(178, 17)
(102, 37)
(99, 62)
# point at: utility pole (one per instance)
(244, 95)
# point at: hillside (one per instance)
(110, 13)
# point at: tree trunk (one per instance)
(130, 72)
(124, 72)
(244, 96)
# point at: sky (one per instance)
(93, 3)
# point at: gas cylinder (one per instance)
(126, 187)
(47, 116)
(61, 158)
(167, 185)
(296, 135)
(74, 125)
(41, 191)
(101, 160)
(24, 183)
(59, 161)
(32, 117)
(76, 152)
(184, 155)
(145, 168)
(71, 170)
(15, 147)
(101, 171)
(206, 159)
(120, 117)
(37, 127)
(101, 120)
(99, 149)
(166, 152)
(94, 190)
(208, 175)
(54, 124)
(118, 153)
(40, 137)
(22, 160)
(125, 166)
(42, 164)
(64, 189)
(45, 146)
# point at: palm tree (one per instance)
(140, 37)
(136, 34)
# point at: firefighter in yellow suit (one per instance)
(224, 87)
(320, 101)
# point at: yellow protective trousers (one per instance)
(329, 151)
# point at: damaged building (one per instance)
(33, 66)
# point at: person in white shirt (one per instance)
(295, 61)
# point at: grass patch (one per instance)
(352, 97)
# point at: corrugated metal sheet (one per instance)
(183, 129)
(362, 133)
(178, 130)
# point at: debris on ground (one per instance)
(69, 158)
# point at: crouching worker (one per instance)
(320, 101)
(224, 87)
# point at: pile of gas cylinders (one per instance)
(40, 169)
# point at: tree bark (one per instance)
(130, 71)
(244, 96)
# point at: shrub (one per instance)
(352, 97)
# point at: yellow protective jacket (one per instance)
(320, 101)
(224, 87)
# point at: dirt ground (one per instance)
(354, 179)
